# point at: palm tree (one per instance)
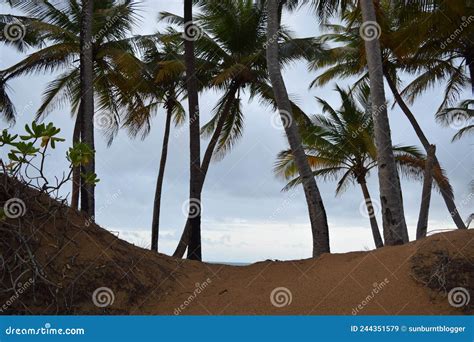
(161, 82)
(460, 117)
(345, 61)
(176, 111)
(317, 213)
(340, 146)
(55, 31)
(164, 87)
(422, 225)
(194, 250)
(445, 46)
(436, 58)
(87, 102)
(236, 63)
(395, 229)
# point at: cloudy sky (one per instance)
(246, 217)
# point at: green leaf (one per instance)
(90, 178)
(79, 154)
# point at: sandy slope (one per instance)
(79, 258)
(381, 282)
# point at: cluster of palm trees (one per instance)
(237, 46)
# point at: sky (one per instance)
(246, 217)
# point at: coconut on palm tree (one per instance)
(340, 145)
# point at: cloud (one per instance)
(246, 216)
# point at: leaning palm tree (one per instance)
(340, 145)
(162, 86)
(317, 213)
(174, 112)
(55, 31)
(347, 59)
(395, 229)
(161, 83)
(461, 118)
(231, 41)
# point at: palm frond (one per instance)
(7, 109)
(58, 92)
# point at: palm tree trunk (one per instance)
(394, 225)
(87, 100)
(194, 251)
(317, 213)
(426, 194)
(184, 240)
(76, 171)
(370, 210)
(445, 187)
(469, 220)
(155, 225)
(226, 111)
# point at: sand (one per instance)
(78, 259)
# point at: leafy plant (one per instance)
(28, 154)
